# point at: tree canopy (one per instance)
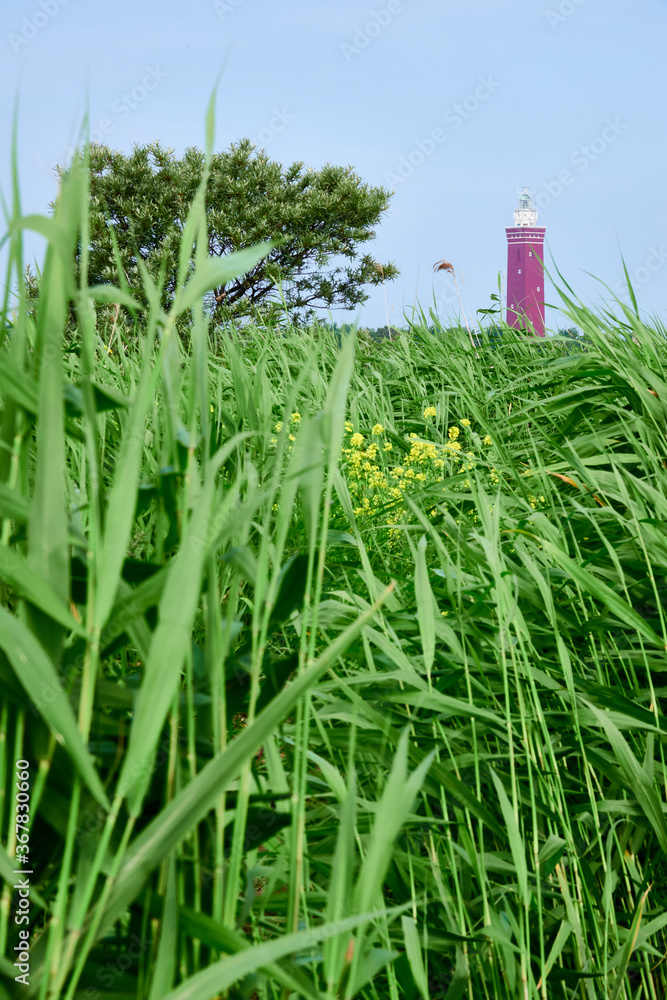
(321, 217)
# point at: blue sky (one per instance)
(450, 105)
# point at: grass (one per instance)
(307, 715)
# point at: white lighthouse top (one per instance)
(526, 213)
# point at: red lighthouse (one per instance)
(525, 268)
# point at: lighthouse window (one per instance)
(538, 288)
(530, 253)
(519, 271)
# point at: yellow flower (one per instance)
(429, 411)
(348, 426)
(279, 427)
(387, 446)
(453, 446)
(292, 438)
(377, 429)
(357, 440)
(465, 422)
(296, 418)
(487, 440)
(453, 433)
(212, 409)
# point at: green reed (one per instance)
(299, 723)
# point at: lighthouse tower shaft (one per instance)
(525, 268)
